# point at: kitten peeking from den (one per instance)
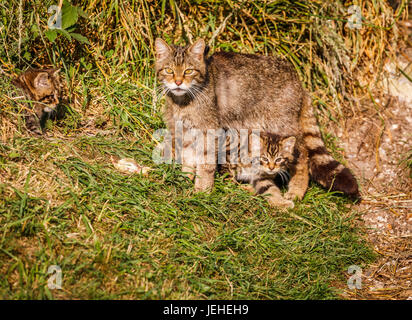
(42, 89)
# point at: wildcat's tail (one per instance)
(323, 168)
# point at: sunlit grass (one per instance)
(63, 203)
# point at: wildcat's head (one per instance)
(276, 153)
(181, 70)
(41, 85)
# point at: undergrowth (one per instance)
(63, 203)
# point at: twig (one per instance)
(219, 29)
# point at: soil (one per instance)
(376, 141)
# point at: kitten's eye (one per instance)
(46, 98)
(168, 71)
(279, 160)
(188, 71)
(264, 159)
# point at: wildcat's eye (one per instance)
(168, 71)
(188, 71)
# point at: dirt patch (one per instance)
(376, 140)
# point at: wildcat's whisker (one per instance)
(199, 93)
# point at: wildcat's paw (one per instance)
(204, 184)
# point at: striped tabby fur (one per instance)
(42, 88)
(323, 168)
(280, 158)
(244, 91)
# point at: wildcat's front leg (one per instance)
(189, 162)
(298, 184)
(191, 140)
(205, 177)
(206, 162)
(189, 171)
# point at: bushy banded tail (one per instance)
(323, 168)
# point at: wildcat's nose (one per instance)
(178, 82)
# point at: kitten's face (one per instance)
(179, 69)
(40, 85)
(275, 155)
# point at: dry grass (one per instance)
(120, 236)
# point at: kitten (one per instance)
(242, 91)
(280, 158)
(42, 88)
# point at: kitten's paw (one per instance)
(292, 196)
(287, 204)
(35, 131)
(248, 187)
(281, 203)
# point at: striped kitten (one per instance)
(279, 158)
(42, 88)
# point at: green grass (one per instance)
(119, 236)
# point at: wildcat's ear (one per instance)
(197, 50)
(41, 80)
(288, 144)
(162, 49)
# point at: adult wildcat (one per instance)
(242, 91)
(42, 87)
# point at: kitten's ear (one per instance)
(197, 49)
(41, 80)
(288, 144)
(17, 82)
(55, 72)
(162, 49)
